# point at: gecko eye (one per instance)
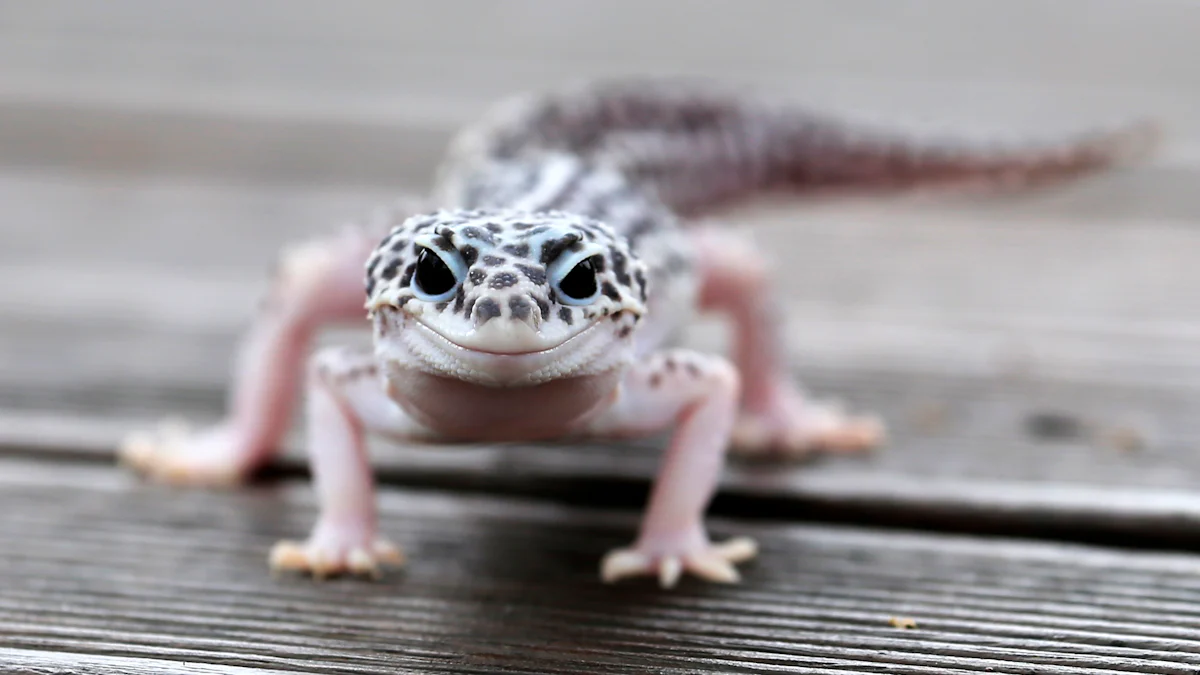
(434, 280)
(578, 286)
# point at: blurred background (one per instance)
(154, 155)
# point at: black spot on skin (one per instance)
(470, 254)
(441, 306)
(669, 364)
(543, 307)
(520, 250)
(459, 297)
(617, 317)
(487, 309)
(443, 244)
(693, 370)
(492, 261)
(641, 280)
(408, 274)
(520, 307)
(566, 315)
(370, 287)
(536, 231)
(389, 272)
(655, 380)
(620, 268)
(624, 331)
(610, 291)
(371, 266)
(473, 232)
(494, 228)
(522, 226)
(403, 300)
(477, 276)
(537, 275)
(503, 280)
(553, 248)
(469, 307)
(399, 245)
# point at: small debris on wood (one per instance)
(930, 417)
(1125, 439)
(1054, 426)
(902, 622)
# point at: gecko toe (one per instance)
(710, 562)
(322, 558)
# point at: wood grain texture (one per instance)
(111, 569)
(33, 662)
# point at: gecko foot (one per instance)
(336, 550)
(173, 454)
(711, 562)
(790, 426)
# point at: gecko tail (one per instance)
(699, 148)
(807, 156)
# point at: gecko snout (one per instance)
(508, 324)
(513, 308)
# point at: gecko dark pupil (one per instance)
(580, 282)
(433, 275)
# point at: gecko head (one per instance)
(471, 293)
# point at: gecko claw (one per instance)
(322, 560)
(174, 455)
(712, 562)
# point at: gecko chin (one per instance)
(513, 395)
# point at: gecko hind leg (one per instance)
(777, 418)
(316, 283)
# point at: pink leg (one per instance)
(346, 399)
(698, 394)
(316, 283)
(777, 417)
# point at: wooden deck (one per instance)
(1037, 357)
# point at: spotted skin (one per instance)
(535, 294)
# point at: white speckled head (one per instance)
(462, 286)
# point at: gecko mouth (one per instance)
(592, 350)
(453, 344)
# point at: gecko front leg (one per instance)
(346, 399)
(698, 394)
(777, 417)
(316, 283)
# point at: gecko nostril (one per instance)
(521, 308)
(485, 310)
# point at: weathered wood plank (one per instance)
(32, 662)
(1143, 42)
(348, 95)
(108, 569)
